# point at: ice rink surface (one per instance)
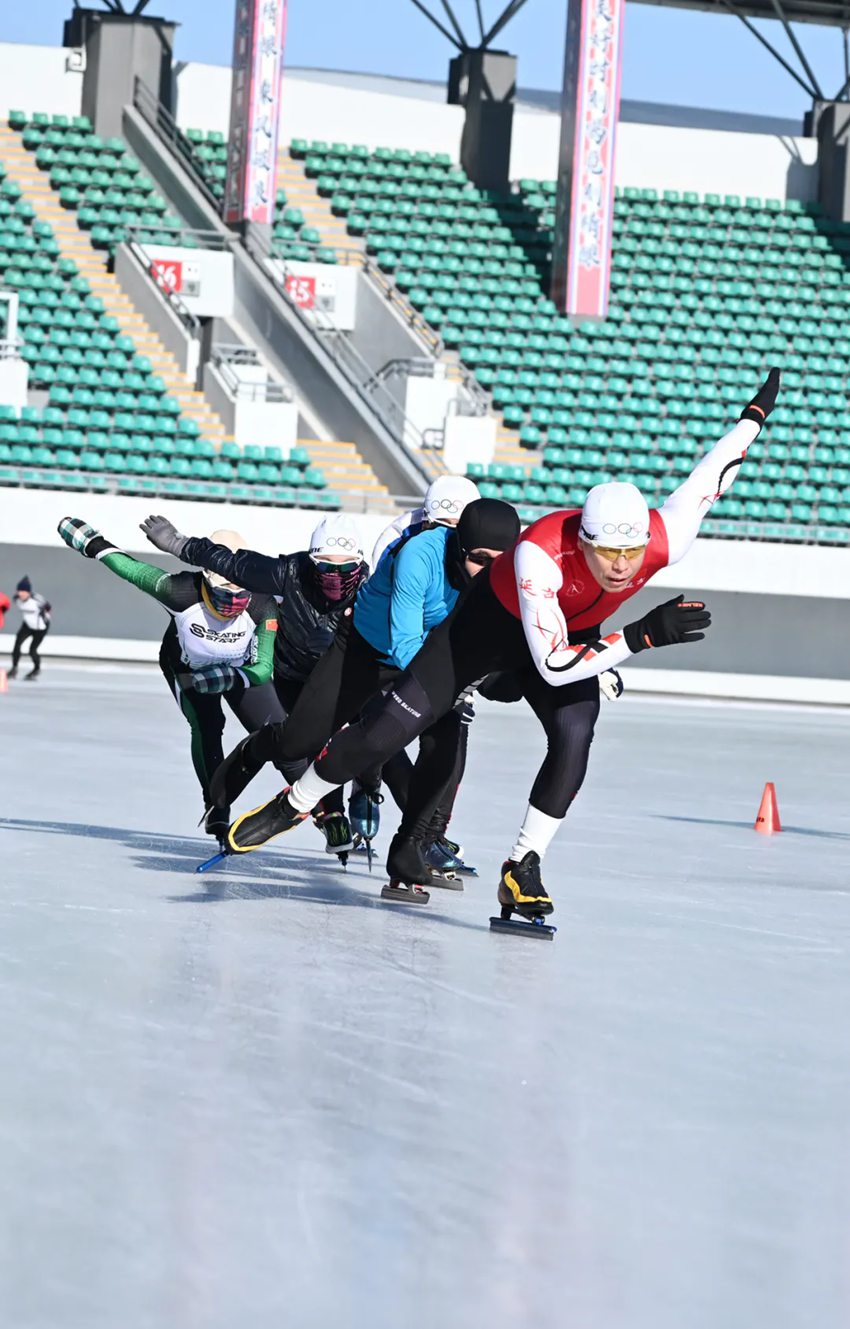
(266, 1099)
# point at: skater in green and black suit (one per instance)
(218, 646)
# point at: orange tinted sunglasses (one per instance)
(611, 555)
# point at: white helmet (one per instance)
(446, 497)
(233, 541)
(336, 535)
(615, 516)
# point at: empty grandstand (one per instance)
(394, 318)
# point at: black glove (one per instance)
(764, 400)
(164, 536)
(505, 685)
(668, 624)
(465, 706)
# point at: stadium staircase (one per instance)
(75, 245)
(306, 228)
(120, 415)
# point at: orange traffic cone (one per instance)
(4, 681)
(767, 820)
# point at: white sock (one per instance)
(536, 832)
(309, 790)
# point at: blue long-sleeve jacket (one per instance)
(408, 594)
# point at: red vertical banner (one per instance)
(581, 254)
(258, 41)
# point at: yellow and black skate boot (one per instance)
(521, 888)
(257, 827)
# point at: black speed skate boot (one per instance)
(257, 827)
(337, 832)
(13, 672)
(216, 823)
(408, 871)
(521, 891)
(234, 774)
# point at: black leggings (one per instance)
(341, 683)
(253, 708)
(38, 635)
(481, 637)
(398, 773)
(288, 691)
(347, 680)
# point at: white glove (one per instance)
(611, 684)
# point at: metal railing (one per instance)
(10, 348)
(387, 285)
(472, 400)
(228, 357)
(184, 237)
(148, 265)
(365, 500)
(163, 123)
(357, 372)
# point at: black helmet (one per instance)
(488, 523)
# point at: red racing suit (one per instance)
(545, 580)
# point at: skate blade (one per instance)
(405, 894)
(447, 881)
(363, 846)
(214, 861)
(523, 928)
(463, 870)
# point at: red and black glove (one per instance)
(668, 624)
(764, 400)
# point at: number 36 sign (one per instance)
(168, 274)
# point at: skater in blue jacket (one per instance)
(415, 587)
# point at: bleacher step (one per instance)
(75, 245)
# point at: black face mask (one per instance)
(456, 571)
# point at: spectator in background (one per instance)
(35, 612)
(5, 606)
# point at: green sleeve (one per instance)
(261, 667)
(145, 577)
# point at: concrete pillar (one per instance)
(120, 48)
(833, 130)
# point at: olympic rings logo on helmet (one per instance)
(630, 530)
(624, 528)
(339, 541)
